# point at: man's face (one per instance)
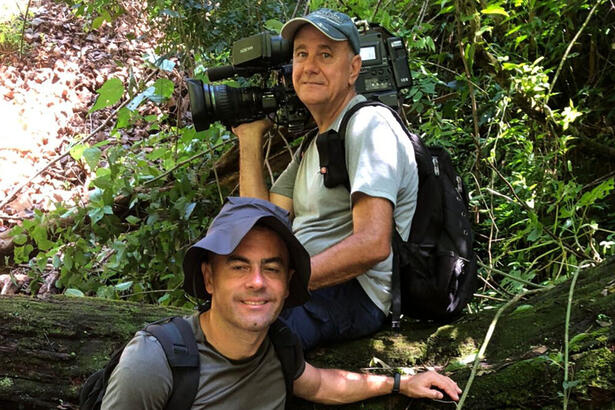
(250, 285)
(324, 71)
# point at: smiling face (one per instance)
(249, 286)
(324, 70)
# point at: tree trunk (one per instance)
(49, 347)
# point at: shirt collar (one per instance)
(335, 125)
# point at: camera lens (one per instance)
(231, 106)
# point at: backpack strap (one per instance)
(307, 139)
(396, 240)
(396, 243)
(290, 353)
(179, 345)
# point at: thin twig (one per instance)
(184, 162)
(288, 147)
(501, 291)
(470, 86)
(481, 352)
(23, 29)
(568, 49)
(13, 193)
(267, 158)
(529, 211)
(480, 295)
(566, 345)
(509, 276)
(12, 218)
(211, 153)
(376, 10)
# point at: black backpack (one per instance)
(179, 345)
(434, 271)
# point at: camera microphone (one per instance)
(228, 71)
(219, 73)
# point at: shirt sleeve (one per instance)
(373, 155)
(142, 379)
(299, 359)
(285, 184)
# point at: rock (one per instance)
(37, 21)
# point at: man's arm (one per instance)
(369, 243)
(251, 175)
(332, 386)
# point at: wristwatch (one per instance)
(396, 382)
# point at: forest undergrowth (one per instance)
(519, 91)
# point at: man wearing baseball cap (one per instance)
(249, 265)
(347, 231)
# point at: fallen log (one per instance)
(48, 348)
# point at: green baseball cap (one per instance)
(333, 24)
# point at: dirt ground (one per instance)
(45, 96)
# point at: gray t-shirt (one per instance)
(143, 378)
(381, 163)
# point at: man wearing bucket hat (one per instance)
(248, 266)
(348, 234)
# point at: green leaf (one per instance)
(109, 94)
(92, 156)
(577, 339)
(493, 9)
(599, 192)
(96, 214)
(133, 220)
(77, 151)
(160, 62)
(274, 25)
(138, 99)
(39, 234)
(98, 21)
(158, 153)
(74, 292)
(120, 287)
(123, 118)
(20, 239)
(164, 87)
(570, 384)
(21, 254)
(188, 210)
(522, 308)
(162, 299)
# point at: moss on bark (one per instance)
(49, 347)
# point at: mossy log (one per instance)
(48, 348)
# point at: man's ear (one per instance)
(207, 272)
(355, 68)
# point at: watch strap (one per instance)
(396, 382)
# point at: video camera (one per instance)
(384, 74)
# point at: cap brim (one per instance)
(289, 30)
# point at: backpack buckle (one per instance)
(436, 166)
(395, 326)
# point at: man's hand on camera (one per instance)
(255, 129)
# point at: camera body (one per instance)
(384, 66)
(383, 76)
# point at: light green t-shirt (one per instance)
(380, 162)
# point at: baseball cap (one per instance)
(333, 24)
(236, 218)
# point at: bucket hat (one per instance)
(333, 24)
(236, 218)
